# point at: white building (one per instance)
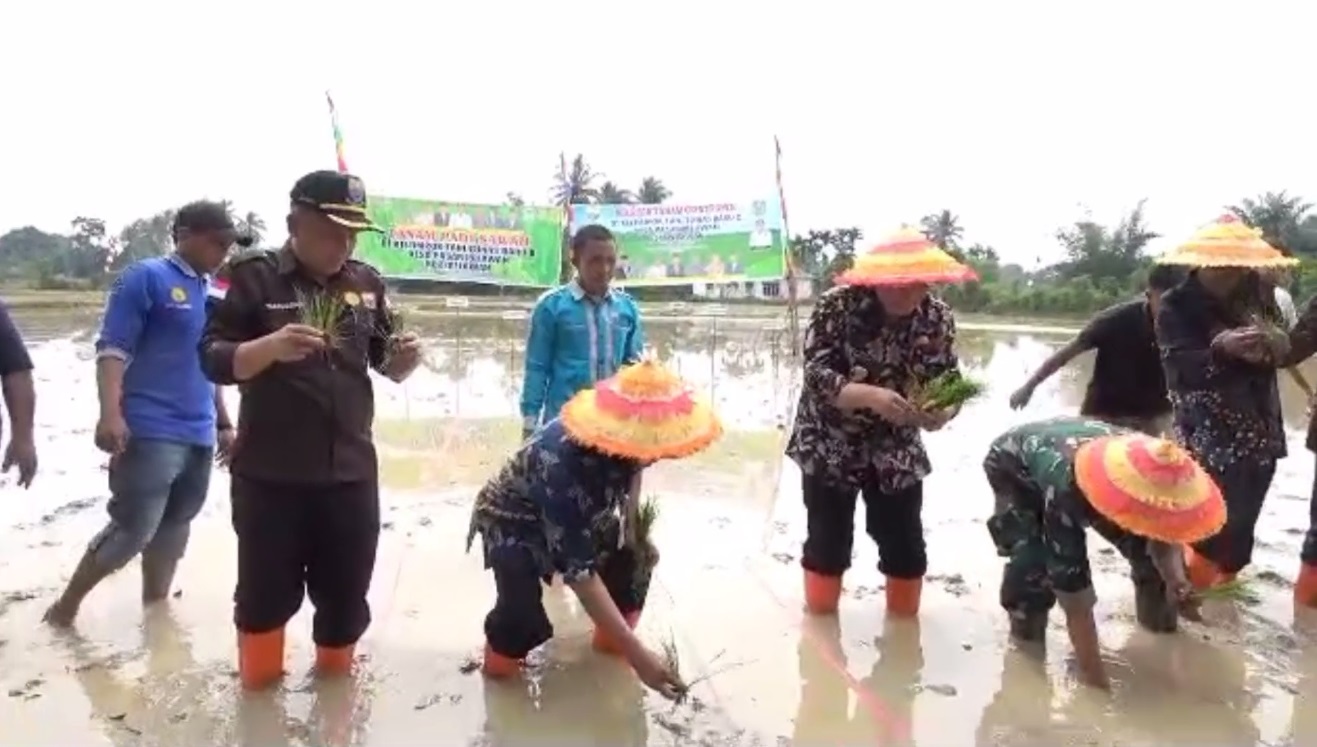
(769, 290)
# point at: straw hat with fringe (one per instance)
(645, 412)
(906, 258)
(1228, 242)
(1151, 487)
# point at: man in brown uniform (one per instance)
(305, 486)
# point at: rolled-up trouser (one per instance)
(518, 623)
(893, 520)
(1152, 425)
(157, 488)
(1244, 486)
(317, 541)
(1309, 552)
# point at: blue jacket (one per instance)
(575, 341)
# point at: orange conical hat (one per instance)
(1227, 242)
(645, 412)
(905, 258)
(1151, 487)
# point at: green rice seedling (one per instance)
(1235, 590)
(946, 391)
(322, 311)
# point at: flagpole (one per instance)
(338, 135)
(793, 313)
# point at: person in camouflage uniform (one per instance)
(1039, 524)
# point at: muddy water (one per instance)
(727, 592)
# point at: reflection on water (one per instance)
(734, 521)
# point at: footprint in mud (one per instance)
(10, 598)
(72, 507)
(954, 583)
(29, 690)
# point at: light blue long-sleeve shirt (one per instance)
(576, 340)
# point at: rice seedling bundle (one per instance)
(323, 311)
(946, 391)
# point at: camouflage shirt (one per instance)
(851, 339)
(1032, 472)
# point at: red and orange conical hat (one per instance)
(1151, 487)
(906, 258)
(645, 412)
(1227, 242)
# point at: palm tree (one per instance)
(574, 182)
(253, 225)
(653, 191)
(611, 194)
(1277, 214)
(943, 229)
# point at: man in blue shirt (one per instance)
(580, 333)
(161, 420)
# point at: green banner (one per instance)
(462, 242)
(682, 244)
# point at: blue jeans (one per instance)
(156, 489)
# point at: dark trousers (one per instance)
(1309, 552)
(893, 520)
(518, 623)
(1244, 486)
(305, 540)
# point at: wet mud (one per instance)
(727, 593)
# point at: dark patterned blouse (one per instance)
(851, 339)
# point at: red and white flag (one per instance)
(218, 289)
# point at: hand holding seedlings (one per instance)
(322, 310)
(293, 342)
(945, 393)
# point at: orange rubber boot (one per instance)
(260, 658)
(334, 661)
(499, 666)
(605, 645)
(1305, 586)
(903, 596)
(1203, 573)
(822, 593)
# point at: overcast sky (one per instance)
(1012, 114)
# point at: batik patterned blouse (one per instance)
(556, 500)
(851, 339)
(1226, 410)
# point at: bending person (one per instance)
(1144, 495)
(555, 508)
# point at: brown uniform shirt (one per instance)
(307, 422)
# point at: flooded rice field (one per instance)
(728, 590)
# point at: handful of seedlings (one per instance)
(646, 551)
(1235, 590)
(672, 660)
(1274, 332)
(395, 325)
(323, 311)
(949, 390)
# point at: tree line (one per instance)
(1100, 265)
(89, 254)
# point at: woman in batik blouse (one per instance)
(556, 507)
(869, 344)
(1220, 363)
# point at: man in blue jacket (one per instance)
(580, 333)
(161, 420)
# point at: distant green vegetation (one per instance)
(1102, 265)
